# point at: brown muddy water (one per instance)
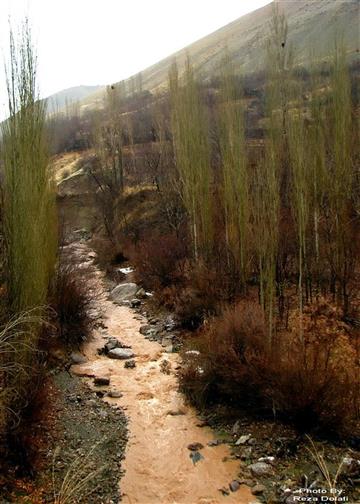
(158, 467)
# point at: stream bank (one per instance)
(170, 457)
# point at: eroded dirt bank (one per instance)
(158, 465)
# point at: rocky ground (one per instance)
(91, 445)
(275, 462)
(82, 442)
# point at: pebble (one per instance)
(234, 485)
(195, 446)
(260, 469)
(77, 358)
(115, 394)
(101, 381)
(130, 364)
(258, 489)
(243, 440)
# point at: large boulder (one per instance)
(123, 292)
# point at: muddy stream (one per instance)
(158, 467)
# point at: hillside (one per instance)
(74, 94)
(312, 25)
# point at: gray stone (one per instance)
(260, 469)
(141, 293)
(234, 485)
(236, 427)
(144, 329)
(115, 394)
(169, 349)
(111, 344)
(77, 358)
(258, 489)
(121, 353)
(243, 440)
(134, 303)
(101, 381)
(123, 292)
(268, 460)
(130, 364)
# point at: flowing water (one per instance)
(158, 467)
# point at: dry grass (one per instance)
(16, 354)
(77, 482)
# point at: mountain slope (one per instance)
(75, 94)
(312, 24)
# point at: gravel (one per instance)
(88, 430)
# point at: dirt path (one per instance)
(158, 466)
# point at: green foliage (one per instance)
(234, 166)
(30, 228)
(192, 152)
(29, 197)
(275, 166)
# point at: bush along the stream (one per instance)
(311, 381)
(72, 304)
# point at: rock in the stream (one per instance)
(178, 412)
(195, 446)
(144, 329)
(196, 457)
(111, 344)
(260, 469)
(234, 485)
(115, 394)
(258, 489)
(130, 364)
(134, 303)
(123, 292)
(215, 442)
(141, 293)
(121, 353)
(101, 381)
(77, 358)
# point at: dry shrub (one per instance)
(224, 368)
(72, 303)
(311, 381)
(206, 287)
(157, 259)
(314, 380)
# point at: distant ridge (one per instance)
(58, 101)
(312, 25)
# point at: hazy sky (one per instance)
(103, 41)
